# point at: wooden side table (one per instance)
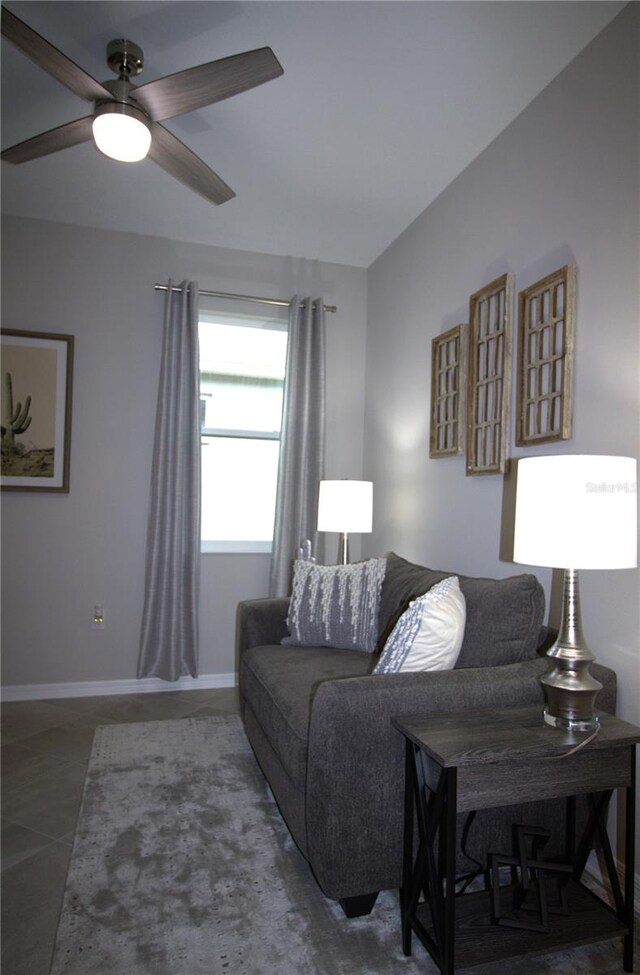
(461, 761)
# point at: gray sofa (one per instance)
(319, 724)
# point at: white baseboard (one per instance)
(149, 685)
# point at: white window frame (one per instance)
(229, 546)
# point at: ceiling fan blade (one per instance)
(207, 83)
(62, 137)
(175, 158)
(50, 59)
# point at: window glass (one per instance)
(240, 403)
(239, 490)
(242, 366)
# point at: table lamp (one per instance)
(345, 506)
(574, 512)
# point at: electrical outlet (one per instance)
(97, 622)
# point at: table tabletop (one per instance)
(458, 738)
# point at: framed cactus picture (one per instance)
(36, 376)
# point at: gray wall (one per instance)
(64, 553)
(560, 185)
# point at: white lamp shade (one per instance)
(345, 506)
(576, 512)
(120, 132)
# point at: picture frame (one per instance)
(448, 392)
(36, 382)
(546, 336)
(489, 385)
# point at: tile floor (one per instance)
(45, 751)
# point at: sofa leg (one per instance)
(358, 906)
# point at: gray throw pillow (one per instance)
(335, 605)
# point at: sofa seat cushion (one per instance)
(279, 683)
(504, 616)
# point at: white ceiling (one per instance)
(381, 105)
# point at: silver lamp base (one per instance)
(343, 548)
(570, 689)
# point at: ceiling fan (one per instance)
(134, 111)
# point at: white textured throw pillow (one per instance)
(335, 605)
(429, 634)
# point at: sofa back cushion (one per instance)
(504, 616)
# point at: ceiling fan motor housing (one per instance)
(124, 57)
(121, 128)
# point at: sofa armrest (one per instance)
(355, 770)
(260, 623)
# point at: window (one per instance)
(242, 365)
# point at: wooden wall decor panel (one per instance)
(448, 392)
(489, 386)
(546, 327)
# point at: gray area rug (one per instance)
(182, 866)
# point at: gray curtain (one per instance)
(169, 633)
(302, 440)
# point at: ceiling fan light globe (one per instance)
(121, 132)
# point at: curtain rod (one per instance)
(261, 301)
